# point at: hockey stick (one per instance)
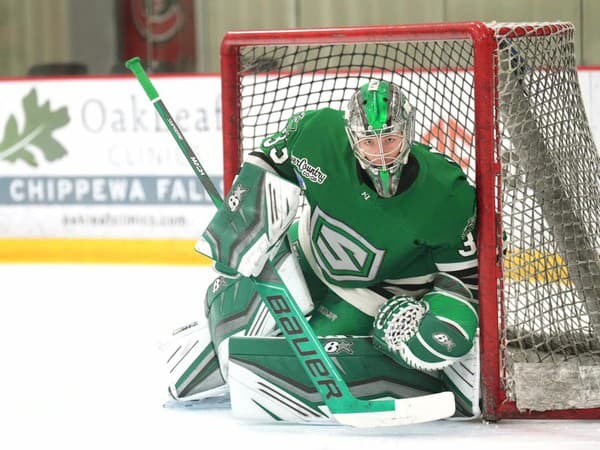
(319, 367)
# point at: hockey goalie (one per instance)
(382, 262)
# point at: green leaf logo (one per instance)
(40, 123)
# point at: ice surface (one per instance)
(80, 369)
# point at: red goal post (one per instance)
(493, 97)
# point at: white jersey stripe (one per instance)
(454, 267)
(412, 280)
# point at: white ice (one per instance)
(80, 369)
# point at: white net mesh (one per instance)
(551, 201)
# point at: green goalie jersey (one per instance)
(355, 237)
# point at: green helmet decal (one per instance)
(376, 110)
(375, 97)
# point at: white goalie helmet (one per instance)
(380, 123)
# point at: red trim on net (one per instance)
(508, 410)
(487, 171)
(340, 35)
(230, 109)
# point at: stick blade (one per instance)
(426, 408)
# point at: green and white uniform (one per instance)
(356, 250)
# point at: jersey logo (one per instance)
(342, 253)
(292, 124)
(469, 227)
(308, 171)
(468, 238)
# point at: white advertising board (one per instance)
(90, 157)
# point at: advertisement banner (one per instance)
(90, 158)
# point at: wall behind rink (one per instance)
(88, 171)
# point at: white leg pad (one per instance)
(192, 366)
(465, 378)
(256, 399)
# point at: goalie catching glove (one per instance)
(246, 229)
(427, 334)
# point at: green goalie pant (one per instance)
(267, 381)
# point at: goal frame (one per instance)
(487, 170)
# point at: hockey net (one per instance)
(503, 101)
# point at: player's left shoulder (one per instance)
(435, 157)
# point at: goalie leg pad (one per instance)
(193, 368)
(268, 382)
(426, 334)
(236, 309)
(463, 379)
(233, 307)
(198, 355)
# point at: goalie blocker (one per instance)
(245, 231)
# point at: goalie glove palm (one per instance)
(254, 217)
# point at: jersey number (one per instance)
(342, 253)
(276, 145)
(469, 246)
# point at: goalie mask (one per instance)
(380, 123)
